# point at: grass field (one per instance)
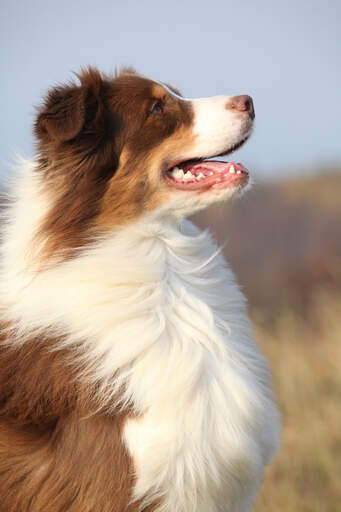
(305, 358)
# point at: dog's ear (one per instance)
(67, 109)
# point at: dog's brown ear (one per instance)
(67, 108)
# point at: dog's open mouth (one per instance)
(207, 173)
(203, 174)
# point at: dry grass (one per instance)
(306, 364)
(321, 190)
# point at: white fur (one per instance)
(156, 308)
(217, 127)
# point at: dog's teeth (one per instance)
(188, 175)
(211, 173)
(176, 173)
(239, 172)
(232, 170)
(200, 176)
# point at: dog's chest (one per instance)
(196, 441)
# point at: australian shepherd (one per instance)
(129, 377)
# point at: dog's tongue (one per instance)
(208, 165)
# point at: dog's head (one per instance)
(113, 148)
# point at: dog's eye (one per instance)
(157, 108)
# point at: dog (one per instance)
(129, 378)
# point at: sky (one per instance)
(285, 54)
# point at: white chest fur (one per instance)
(210, 425)
(159, 310)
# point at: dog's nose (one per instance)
(242, 103)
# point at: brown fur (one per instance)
(102, 153)
(58, 450)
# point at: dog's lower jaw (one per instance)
(182, 204)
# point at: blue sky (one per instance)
(286, 54)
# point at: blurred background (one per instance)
(283, 238)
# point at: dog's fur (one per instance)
(129, 379)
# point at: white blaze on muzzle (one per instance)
(216, 127)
